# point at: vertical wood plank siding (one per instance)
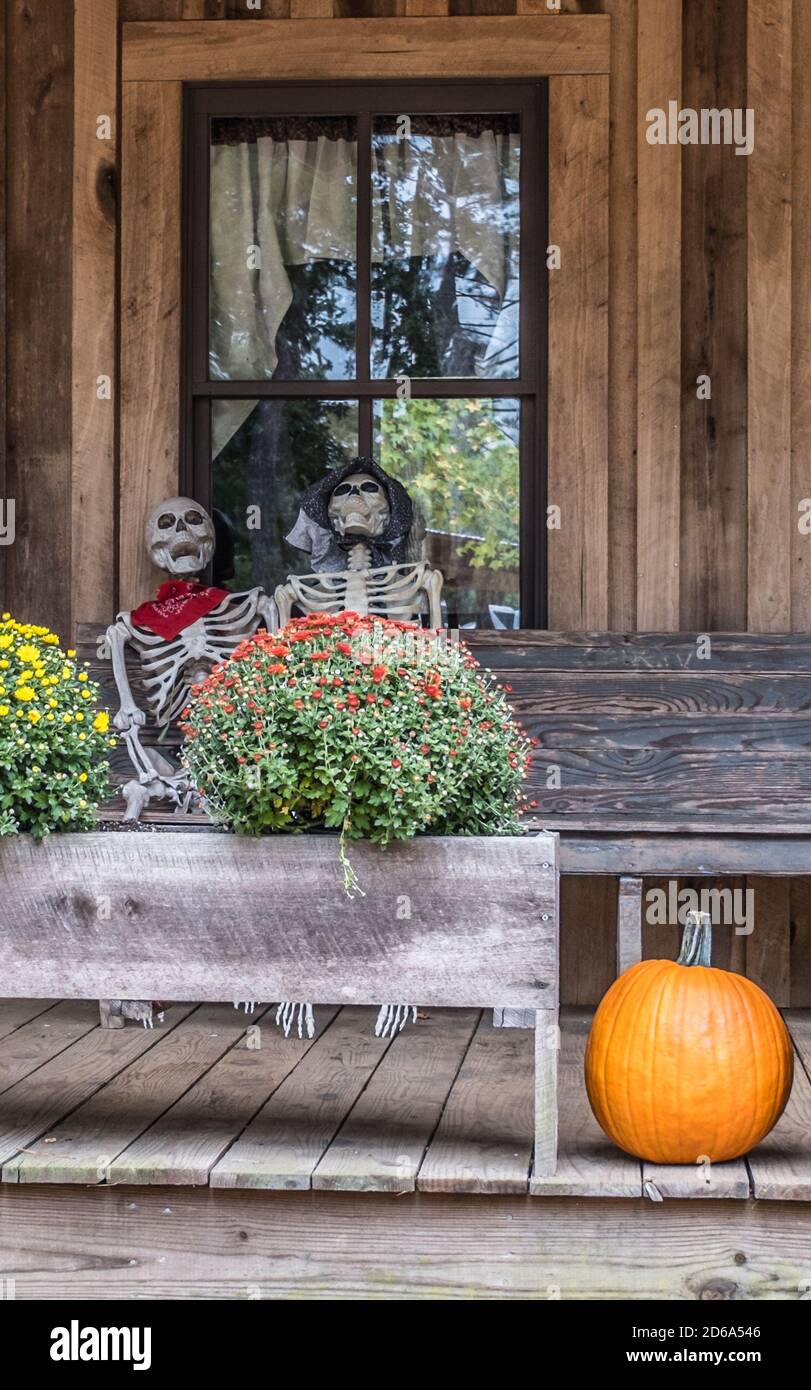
(800, 355)
(150, 304)
(800, 926)
(771, 514)
(39, 115)
(578, 352)
(659, 325)
(684, 512)
(95, 193)
(3, 320)
(713, 330)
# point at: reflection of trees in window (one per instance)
(445, 247)
(459, 460)
(285, 187)
(282, 447)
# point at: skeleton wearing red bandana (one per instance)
(179, 636)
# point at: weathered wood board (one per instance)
(781, 1164)
(662, 732)
(184, 1144)
(645, 732)
(42, 1097)
(216, 1098)
(465, 922)
(588, 1164)
(145, 1243)
(382, 1142)
(283, 1144)
(659, 854)
(483, 1142)
(84, 1146)
(435, 47)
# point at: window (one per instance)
(365, 274)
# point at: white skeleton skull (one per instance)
(179, 536)
(358, 506)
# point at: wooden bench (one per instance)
(676, 754)
(664, 755)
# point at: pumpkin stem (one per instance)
(696, 944)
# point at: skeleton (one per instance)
(358, 512)
(180, 541)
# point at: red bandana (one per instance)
(177, 604)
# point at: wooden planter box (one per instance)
(204, 915)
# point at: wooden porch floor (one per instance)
(214, 1098)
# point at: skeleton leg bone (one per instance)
(157, 779)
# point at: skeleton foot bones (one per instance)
(391, 1019)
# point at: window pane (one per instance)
(283, 213)
(459, 461)
(445, 229)
(265, 453)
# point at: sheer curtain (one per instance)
(280, 198)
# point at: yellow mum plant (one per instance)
(53, 742)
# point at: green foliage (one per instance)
(369, 726)
(460, 468)
(52, 770)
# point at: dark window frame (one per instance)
(204, 101)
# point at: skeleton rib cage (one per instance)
(205, 643)
(392, 591)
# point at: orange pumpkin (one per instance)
(685, 1061)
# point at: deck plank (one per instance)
(283, 1144)
(182, 1146)
(781, 1164)
(381, 1143)
(484, 1140)
(40, 1100)
(661, 1180)
(84, 1146)
(16, 1012)
(35, 1043)
(589, 1165)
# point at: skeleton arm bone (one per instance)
(433, 589)
(269, 613)
(118, 634)
(283, 601)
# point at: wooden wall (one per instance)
(709, 274)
